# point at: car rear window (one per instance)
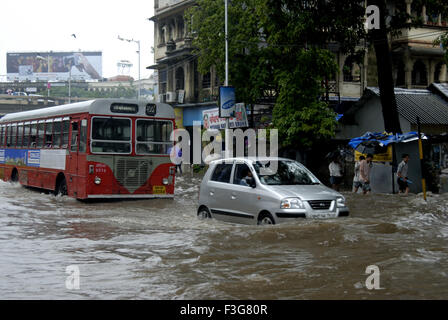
(222, 173)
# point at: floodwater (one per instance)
(158, 249)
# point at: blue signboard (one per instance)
(226, 102)
(33, 158)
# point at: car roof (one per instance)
(250, 159)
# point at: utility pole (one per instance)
(139, 79)
(226, 81)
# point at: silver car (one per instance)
(265, 191)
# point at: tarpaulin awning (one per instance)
(382, 139)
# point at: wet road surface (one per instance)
(158, 249)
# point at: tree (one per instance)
(249, 68)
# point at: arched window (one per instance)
(351, 70)
(180, 28)
(162, 35)
(419, 77)
(438, 72)
(180, 79)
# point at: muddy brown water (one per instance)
(158, 249)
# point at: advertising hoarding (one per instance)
(226, 102)
(53, 66)
(211, 119)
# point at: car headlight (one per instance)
(340, 202)
(292, 203)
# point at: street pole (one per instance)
(226, 81)
(70, 83)
(139, 78)
(420, 150)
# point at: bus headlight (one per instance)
(165, 181)
(97, 180)
(292, 203)
(340, 202)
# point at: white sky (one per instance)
(47, 25)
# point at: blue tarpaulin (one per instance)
(382, 139)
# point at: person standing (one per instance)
(335, 173)
(356, 179)
(364, 173)
(402, 175)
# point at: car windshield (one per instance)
(283, 172)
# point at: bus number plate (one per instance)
(158, 190)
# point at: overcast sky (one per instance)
(47, 25)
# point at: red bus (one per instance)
(104, 148)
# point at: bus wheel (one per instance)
(61, 187)
(14, 175)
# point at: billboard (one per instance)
(53, 66)
(226, 102)
(211, 119)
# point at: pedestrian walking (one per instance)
(402, 175)
(364, 173)
(335, 169)
(356, 179)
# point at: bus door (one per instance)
(73, 159)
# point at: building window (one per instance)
(419, 77)
(438, 72)
(351, 71)
(162, 81)
(180, 79)
(180, 28)
(206, 80)
(162, 35)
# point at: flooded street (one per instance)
(158, 249)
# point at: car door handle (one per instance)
(233, 196)
(212, 192)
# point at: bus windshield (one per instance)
(111, 135)
(153, 136)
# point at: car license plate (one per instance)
(321, 215)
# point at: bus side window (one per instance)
(8, 136)
(2, 135)
(20, 136)
(65, 132)
(49, 135)
(41, 134)
(33, 137)
(26, 136)
(13, 136)
(57, 134)
(74, 142)
(83, 136)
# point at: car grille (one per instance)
(132, 173)
(320, 204)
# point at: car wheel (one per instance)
(203, 213)
(265, 218)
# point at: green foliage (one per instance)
(249, 69)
